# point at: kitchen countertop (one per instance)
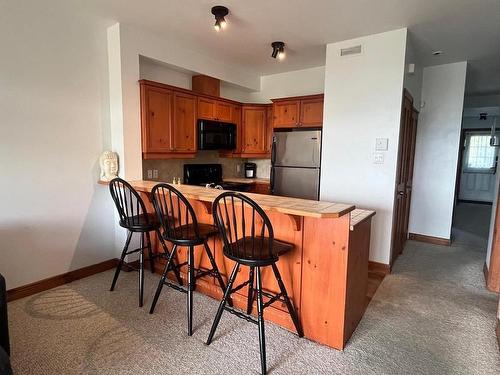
(285, 205)
(242, 180)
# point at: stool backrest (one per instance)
(128, 202)
(175, 213)
(237, 217)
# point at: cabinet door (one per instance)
(286, 113)
(254, 130)
(156, 111)
(223, 111)
(236, 119)
(184, 126)
(311, 112)
(206, 109)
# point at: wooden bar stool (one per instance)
(180, 226)
(135, 218)
(249, 240)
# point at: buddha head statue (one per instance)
(109, 165)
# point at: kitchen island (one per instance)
(326, 273)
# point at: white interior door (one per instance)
(478, 170)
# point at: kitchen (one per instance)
(191, 135)
(207, 129)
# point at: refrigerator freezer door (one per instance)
(297, 149)
(296, 182)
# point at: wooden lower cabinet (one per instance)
(325, 274)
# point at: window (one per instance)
(480, 156)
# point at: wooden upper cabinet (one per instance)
(156, 119)
(286, 113)
(184, 123)
(223, 111)
(254, 129)
(311, 112)
(304, 111)
(269, 128)
(206, 108)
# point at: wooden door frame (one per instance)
(493, 271)
(405, 94)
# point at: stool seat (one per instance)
(254, 251)
(186, 234)
(141, 223)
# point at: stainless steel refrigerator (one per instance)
(296, 163)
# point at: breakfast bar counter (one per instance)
(326, 274)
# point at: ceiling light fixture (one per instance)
(278, 50)
(220, 12)
(437, 53)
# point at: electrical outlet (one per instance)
(238, 168)
(150, 174)
(155, 173)
(378, 158)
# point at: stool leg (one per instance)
(190, 289)
(120, 263)
(291, 309)
(260, 311)
(223, 302)
(250, 291)
(141, 272)
(162, 280)
(216, 271)
(172, 264)
(150, 253)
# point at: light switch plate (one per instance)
(150, 173)
(155, 173)
(378, 158)
(381, 144)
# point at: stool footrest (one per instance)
(241, 315)
(242, 285)
(175, 286)
(272, 299)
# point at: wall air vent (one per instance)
(356, 50)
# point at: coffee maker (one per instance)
(250, 170)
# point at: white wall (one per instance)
(363, 95)
(295, 83)
(55, 123)
(413, 81)
(436, 153)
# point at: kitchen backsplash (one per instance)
(170, 168)
(263, 167)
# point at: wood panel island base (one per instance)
(326, 274)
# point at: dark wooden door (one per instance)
(404, 175)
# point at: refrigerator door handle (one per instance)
(271, 181)
(273, 151)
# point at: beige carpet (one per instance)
(431, 316)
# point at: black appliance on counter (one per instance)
(250, 170)
(216, 135)
(210, 176)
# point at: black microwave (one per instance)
(215, 135)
